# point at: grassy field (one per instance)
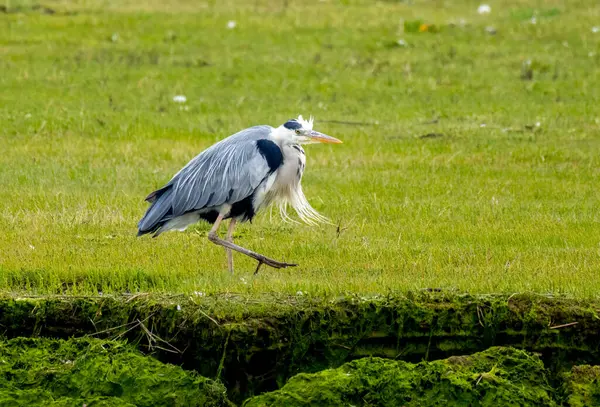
(470, 157)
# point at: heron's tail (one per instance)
(158, 213)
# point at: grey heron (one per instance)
(234, 179)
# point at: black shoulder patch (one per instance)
(292, 124)
(271, 152)
(243, 208)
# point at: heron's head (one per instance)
(300, 131)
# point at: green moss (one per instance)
(582, 386)
(495, 377)
(41, 372)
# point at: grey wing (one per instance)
(227, 172)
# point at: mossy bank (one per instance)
(93, 372)
(255, 344)
(495, 377)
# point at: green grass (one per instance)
(496, 204)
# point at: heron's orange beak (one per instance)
(323, 138)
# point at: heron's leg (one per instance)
(230, 240)
(213, 237)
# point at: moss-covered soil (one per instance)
(254, 345)
(582, 386)
(494, 377)
(497, 376)
(94, 372)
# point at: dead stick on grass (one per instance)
(222, 361)
(480, 316)
(563, 325)
(209, 317)
(133, 297)
(119, 336)
(134, 323)
(152, 338)
(479, 379)
(112, 329)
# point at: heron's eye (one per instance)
(297, 131)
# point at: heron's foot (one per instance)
(271, 263)
(212, 236)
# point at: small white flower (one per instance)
(299, 293)
(243, 280)
(199, 293)
(32, 247)
(484, 9)
(494, 200)
(178, 307)
(538, 124)
(179, 99)
(28, 116)
(114, 37)
(482, 125)
(596, 29)
(401, 42)
(231, 24)
(533, 20)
